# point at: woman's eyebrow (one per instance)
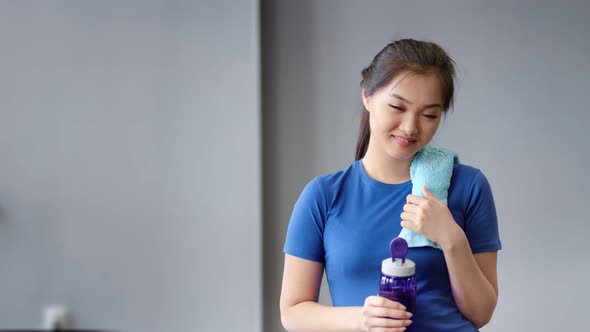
(400, 98)
(409, 102)
(432, 106)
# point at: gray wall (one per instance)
(130, 184)
(521, 116)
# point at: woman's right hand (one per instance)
(383, 315)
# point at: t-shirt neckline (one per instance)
(375, 183)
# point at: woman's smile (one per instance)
(404, 141)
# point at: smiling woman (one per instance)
(343, 222)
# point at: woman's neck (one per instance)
(385, 169)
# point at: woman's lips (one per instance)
(404, 142)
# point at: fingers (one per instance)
(411, 222)
(380, 301)
(416, 200)
(411, 226)
(383, 322)
(382, 314)
(412, 208)
(413, 217)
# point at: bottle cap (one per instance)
(398, 248)
(397, 268)
(398, 265)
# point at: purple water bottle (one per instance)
(398, 276)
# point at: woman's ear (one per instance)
(366, 101)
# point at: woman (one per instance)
(343, 222)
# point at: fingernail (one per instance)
(403, 307)
(410, 314)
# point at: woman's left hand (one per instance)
(432, 218)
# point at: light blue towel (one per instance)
(433, 168)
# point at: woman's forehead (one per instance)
(412, 85)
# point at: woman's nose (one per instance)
(409, 126)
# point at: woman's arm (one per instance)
(301, 312)
(299, 295)
(474, 281)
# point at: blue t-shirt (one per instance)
(346, 220)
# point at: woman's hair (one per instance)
(402, 55)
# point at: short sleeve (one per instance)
(481, 221)
(306, 227)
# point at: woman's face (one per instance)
(405, 114)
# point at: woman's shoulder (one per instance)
(321, 190)
(334, 179)
(325, 184)
(469, 187)
(467, 176)
(466, 171)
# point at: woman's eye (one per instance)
(396, 107)
(430, 116)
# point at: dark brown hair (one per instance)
(419, 57)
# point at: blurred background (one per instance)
(151, 151)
